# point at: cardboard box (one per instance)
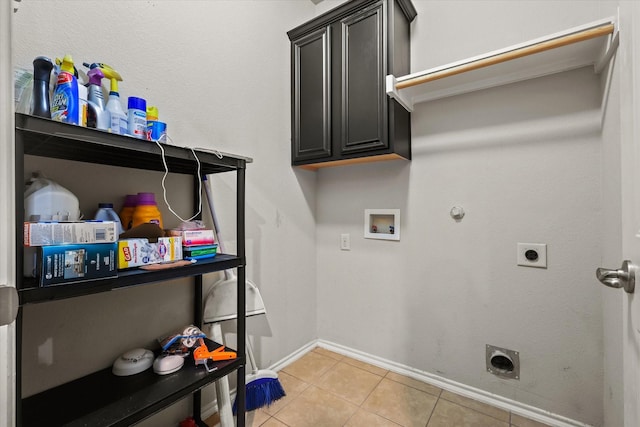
(196, 237)
(63, 264)
(137, 252)
(72, 232)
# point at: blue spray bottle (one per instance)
(97, 115)
(64, 105)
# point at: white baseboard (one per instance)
(510, 405)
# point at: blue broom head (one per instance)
(261, 392)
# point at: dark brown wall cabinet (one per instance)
(340, 111)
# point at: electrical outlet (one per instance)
(345, 242)
(532, 255)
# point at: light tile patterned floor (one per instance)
(326, 389)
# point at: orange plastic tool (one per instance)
(201, 355)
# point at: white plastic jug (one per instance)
(46, 200)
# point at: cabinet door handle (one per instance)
(8, 304)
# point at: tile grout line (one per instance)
(434, 408)
(478, 411)
(380, 377)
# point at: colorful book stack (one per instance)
(198, 244)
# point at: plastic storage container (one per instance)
(146, 210)
(46, 200)
(106, 213)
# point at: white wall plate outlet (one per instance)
(532, 255)
(345, 242)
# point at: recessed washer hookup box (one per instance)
(63, 264)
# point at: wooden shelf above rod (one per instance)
(590, 44)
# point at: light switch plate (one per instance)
(532, 255)
(345, 242)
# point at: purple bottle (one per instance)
(146, 210)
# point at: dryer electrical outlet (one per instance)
(532, 255)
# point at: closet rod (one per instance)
(588, 34)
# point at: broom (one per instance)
(262, 386)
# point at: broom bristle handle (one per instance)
(228, 274)
(250, 355)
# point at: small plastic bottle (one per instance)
(98, 116)
(64, 103)
(126, 213)
(42, 67)
(137, 117)
(83, 105)
(146, 210)
(106, 213)
(152, 119)
(119, 123)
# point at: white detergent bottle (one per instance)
(106, 213)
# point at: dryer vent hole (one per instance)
(503, 362)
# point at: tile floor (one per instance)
(326, 389)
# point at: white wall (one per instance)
(524, 162)
(219, 73)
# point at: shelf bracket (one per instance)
(608, 54)
(394, 93)
(555, 53)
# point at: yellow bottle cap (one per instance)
(67, 64)
(152, 113)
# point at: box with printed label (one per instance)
(62, 233)
(63, 264)
(197, 237)
(138, 252)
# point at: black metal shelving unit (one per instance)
(101, 398)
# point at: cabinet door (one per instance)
(364, 106)
(311, 96)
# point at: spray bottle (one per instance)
(42, 67)
(97, 116)
(118, 117)
(118, 124)
(64, 106)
